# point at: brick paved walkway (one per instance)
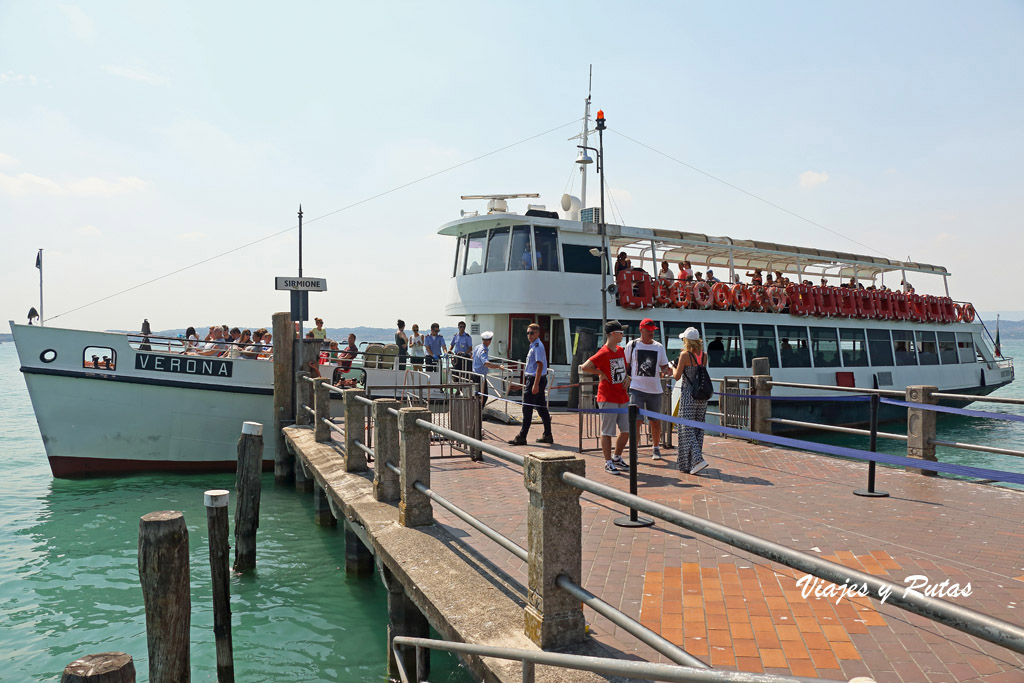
(739, 611)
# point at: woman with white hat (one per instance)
(691, 440)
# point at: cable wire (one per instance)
(312, 220)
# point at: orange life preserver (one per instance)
(826, 301)
(662, 293)
(757, 298)
(775, 299)
(846, 303)
(702, 294)
(883, 305)
(722, 295)
(934, 309)
(865, 304)
(682, 294)
(958, 312)
(946, 307)
(801, 302)
(900, 306)
(741, 297)
(917, 308)
(636, 289)
(968, 315)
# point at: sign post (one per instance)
(300, 287)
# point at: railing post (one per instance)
(554, 521)
(414, 460)
(355, 430)
(921, 426)
(322, 408)
(303, 395)
(284, 402)
(385, 439)
(760, 408)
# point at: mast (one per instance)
(586, 122)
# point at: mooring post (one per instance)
(921, 426)
(216, 502)
(760, 387)
(322, 513)
(414, 461)
(163, 572)
(247, 485)
(385, 439)
(554, 526)
(355, 430)
(404, 619)
(284, 410)
(303, 482)
(303, 398)
(358, 558)
(322, 408)
(104, 667)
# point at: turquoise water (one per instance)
(69, 582)
(985, 432)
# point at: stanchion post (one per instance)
(385, 427)
(216, 502)
(870, 492)
(247, 485)
(414, 508)
(163, 572)
(322, 408)
(921, 427)
(355, 430)
(633, 520)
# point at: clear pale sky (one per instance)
(137, 139)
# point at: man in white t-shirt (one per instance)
(647, 363)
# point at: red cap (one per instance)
(648, 324)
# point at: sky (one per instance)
(164, 147)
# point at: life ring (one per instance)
(757, 297)
(969, 313)
(741, 297)
(722, 295)
(662, 293)
(682, 294)
(702, 294)
(958, 312)
(775, 299)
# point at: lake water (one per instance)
(69, 583)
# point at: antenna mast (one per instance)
(586, 122)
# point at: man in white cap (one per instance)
(482, 363)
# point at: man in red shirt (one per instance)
(609, 363)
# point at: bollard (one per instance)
(284, 401)
(105, 667)
(871, 491)
(554, 526)
(322, 513)
(163, 572)
(322, 408)
(303, 396)
(216, 502)
(404, 619)
(921, 427)
(414, 460)
(355, 430)
(247, 486)
(385, 438)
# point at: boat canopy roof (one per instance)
(713, 250)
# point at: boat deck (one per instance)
(739, 611)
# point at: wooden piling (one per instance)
(247, 485)
(105, 667)
(216, 502)
(163, 572)
(284, 349)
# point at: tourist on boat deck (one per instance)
(433, 343)
(534, 394)
(216, 345)
(698, 276)
(755, 277)
(416, 347)
(242, 341)
(609, 364)
(267, 347)
(622, 263)
(191, 340)
(736, 279)
(768, 281)
(690, 456)
(648, 363)
(482, 363)
(685, 271)
(402, 342)
(710, 277)
(665, 274)
(319, 332)
(348, 354)
(462, 347)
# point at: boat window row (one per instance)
(521, 247)
(732, 345)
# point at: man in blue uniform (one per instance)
(462, 347)
(534, 386)
(433, 343)
(482, 363)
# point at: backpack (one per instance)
(702, 389)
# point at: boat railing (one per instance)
(181, 346)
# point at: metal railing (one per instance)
(589, 424)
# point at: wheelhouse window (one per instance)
(853, 347)
(99, 358)
(557, 352)
(880, 347)
(965, 347)
(793, 349)
(825, 347)
(546, 242)
(521, 252)
(722, 343)
(460, 250)
(578, 259)
(673, 344)
(497, 247)
(947, 348)
(927, 349)
(475, 252)
(903, 344)
(759, 342)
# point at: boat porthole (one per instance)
(48, 356)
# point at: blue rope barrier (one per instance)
(603, 411)
(902, 461)
(858, 397)
(955, 411)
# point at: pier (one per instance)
(698, 601)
